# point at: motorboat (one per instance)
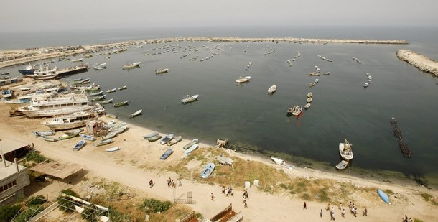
(107, 101)
(189, 99)
(161, 71)
(342, 165)
(111, 90)
(96, 93)
(208, 170)
(122, 88)
(365, 85)
(272, 89)
(307, 106)
(131, 66)
(123, 103)
(243, 79)
(295, 111)
(345, 150)
(136, 113)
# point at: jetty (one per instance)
(421, 62)
(401, 141)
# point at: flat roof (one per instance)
(55, 169)
(11, 144)
(9, 170)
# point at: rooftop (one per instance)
(9, 170)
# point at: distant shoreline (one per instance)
(23, 56)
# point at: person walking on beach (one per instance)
(212, 196)
(365, 212)
(151, 183)
(305, 205)
(320, 213)
(245, 204)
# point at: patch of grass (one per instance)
(417, 220)
(7, 212)
(429, 198)
(37, 200)
(64, 204)
(389, 192)
(155, 206)
(34, 157)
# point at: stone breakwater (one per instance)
(23, 56)
(422, 62)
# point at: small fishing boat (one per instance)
(166, 139)
(307, 106)
(312, 84)
(191, 149)
(189, 99)
(111, 90)
(309, 99)
(365, 85)
(174, 141)
(150, 135)
(342, 165)
(272, 89)
(50, 139)
(122, 88)
(188, 145)
(208, 170)
(100, 66)
(107, 101)
(44, 133)
(225, 160)
(87, 137)
(79, 145)
(383, 196)
(136, 113)
(345, 150)
(166, 154)
(243, 79)
(78, 60)
(161, 71)
(96, 93)
(98, 98)
(309, 94)
(277, 161)
(103, 142)
(131, 66)
(119, 104)
(112, 149)
(154, 138)
(295, 111)
(316, 80)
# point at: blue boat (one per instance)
(166, 154)
(87, 137)
(208, 169)
(383, 196)
(79, 145)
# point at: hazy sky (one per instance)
(22, 15)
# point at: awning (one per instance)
(57, 170)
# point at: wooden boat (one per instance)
(77, 60)
(107, 101)
(309, 94)
(119, 104)
(154, 138)
(44, 133)
(295, 111)
(208, 170)
(277, 161)
(50, 139)
(312, 84)
(188, 145)
(100, 66)
(383, 196)
(166, 154)
(131, 66)
(174, 141)
(342, 165)
(111, 90)
(161, 71)
(98, 98)
(112, 149)
(314, 74)
(272, 89)
(69, 121)
(122, 88)
(345, 150)
(150, 135)
(309, 99)
(79, 145)
(166, 138)
(87, 137)
(136, 113)
(191, 149)
(243, 79)
(189, 99)
(97, 93)
(307, 106)
(103, 142)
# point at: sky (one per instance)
(59, 15)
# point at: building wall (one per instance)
(11, 188)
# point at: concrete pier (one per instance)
(422, 62)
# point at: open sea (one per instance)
(245, 114)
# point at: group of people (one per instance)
(351, 206)
(228, 191)
(245, 197)
(407, 219)
(171, 183)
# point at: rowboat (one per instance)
(87, 137)
(383, 196)
(96, 93)
(166, 154)
(191, 149)
(342, 165)
(174, 141)
(166, 139)
(150, 135)
(307, 106)
(161, 71)
(208, 170)
(111, 90)
(103, 142)
(79, 145)
(136, 113)
(50, 139)
(112, 149)
(154, 138)
(44, 133)
(295, 111)
(243, 79)
(188, 145)
(345, 150)
(119, 104)
(131, 66)
(272, 89)
(107, 101)
(98, 98)
(122, 88)
(189, 99)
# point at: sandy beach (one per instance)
(138, 161)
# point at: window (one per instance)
(8, 186)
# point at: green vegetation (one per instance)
(417, 220)
(155, 206)
(37, 200)
(35, 156)
(8, 212)
(429, 198)
(64, 204)
(91, 213)
(28, 213)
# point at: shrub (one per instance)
(35, 156)
(28, 213)
(8, 212)
(91, 213)
(37, 200)
(64, 204)
(155, 206)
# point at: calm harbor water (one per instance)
(341, 107)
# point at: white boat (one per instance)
(345, 150)
(136, 113)
(309, 99)
(107, 101)
(57, 111)
(122, 88)
(111, 90)
(131, 66)
(277, 161)
(272, 89)
(316, 80)
(342, 165)
(166, 139)
(295, 111)
(112, 149)
(189, 99)
(365, 85)
(78, 60)
(307, 106)
(188, 145)
(309, 94)
(100, 66)
(243, 79)
(191, 149)
(161, 71)
(75, 120)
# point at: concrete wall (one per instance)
(15, 192)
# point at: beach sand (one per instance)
(138, 161)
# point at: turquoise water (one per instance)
(342, 108)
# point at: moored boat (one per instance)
(272, 89)
(342, 165)
(307, 106)
(345, 150)
(131, 66)
(295, 111)
(189, 99)
(208, 170)
(112, 149)
(161, 71)
(243, 79)
(111, 90)
(122, 88)
(136, 113)
(123, 103)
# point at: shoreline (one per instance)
(419, 61)
(22, 56)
